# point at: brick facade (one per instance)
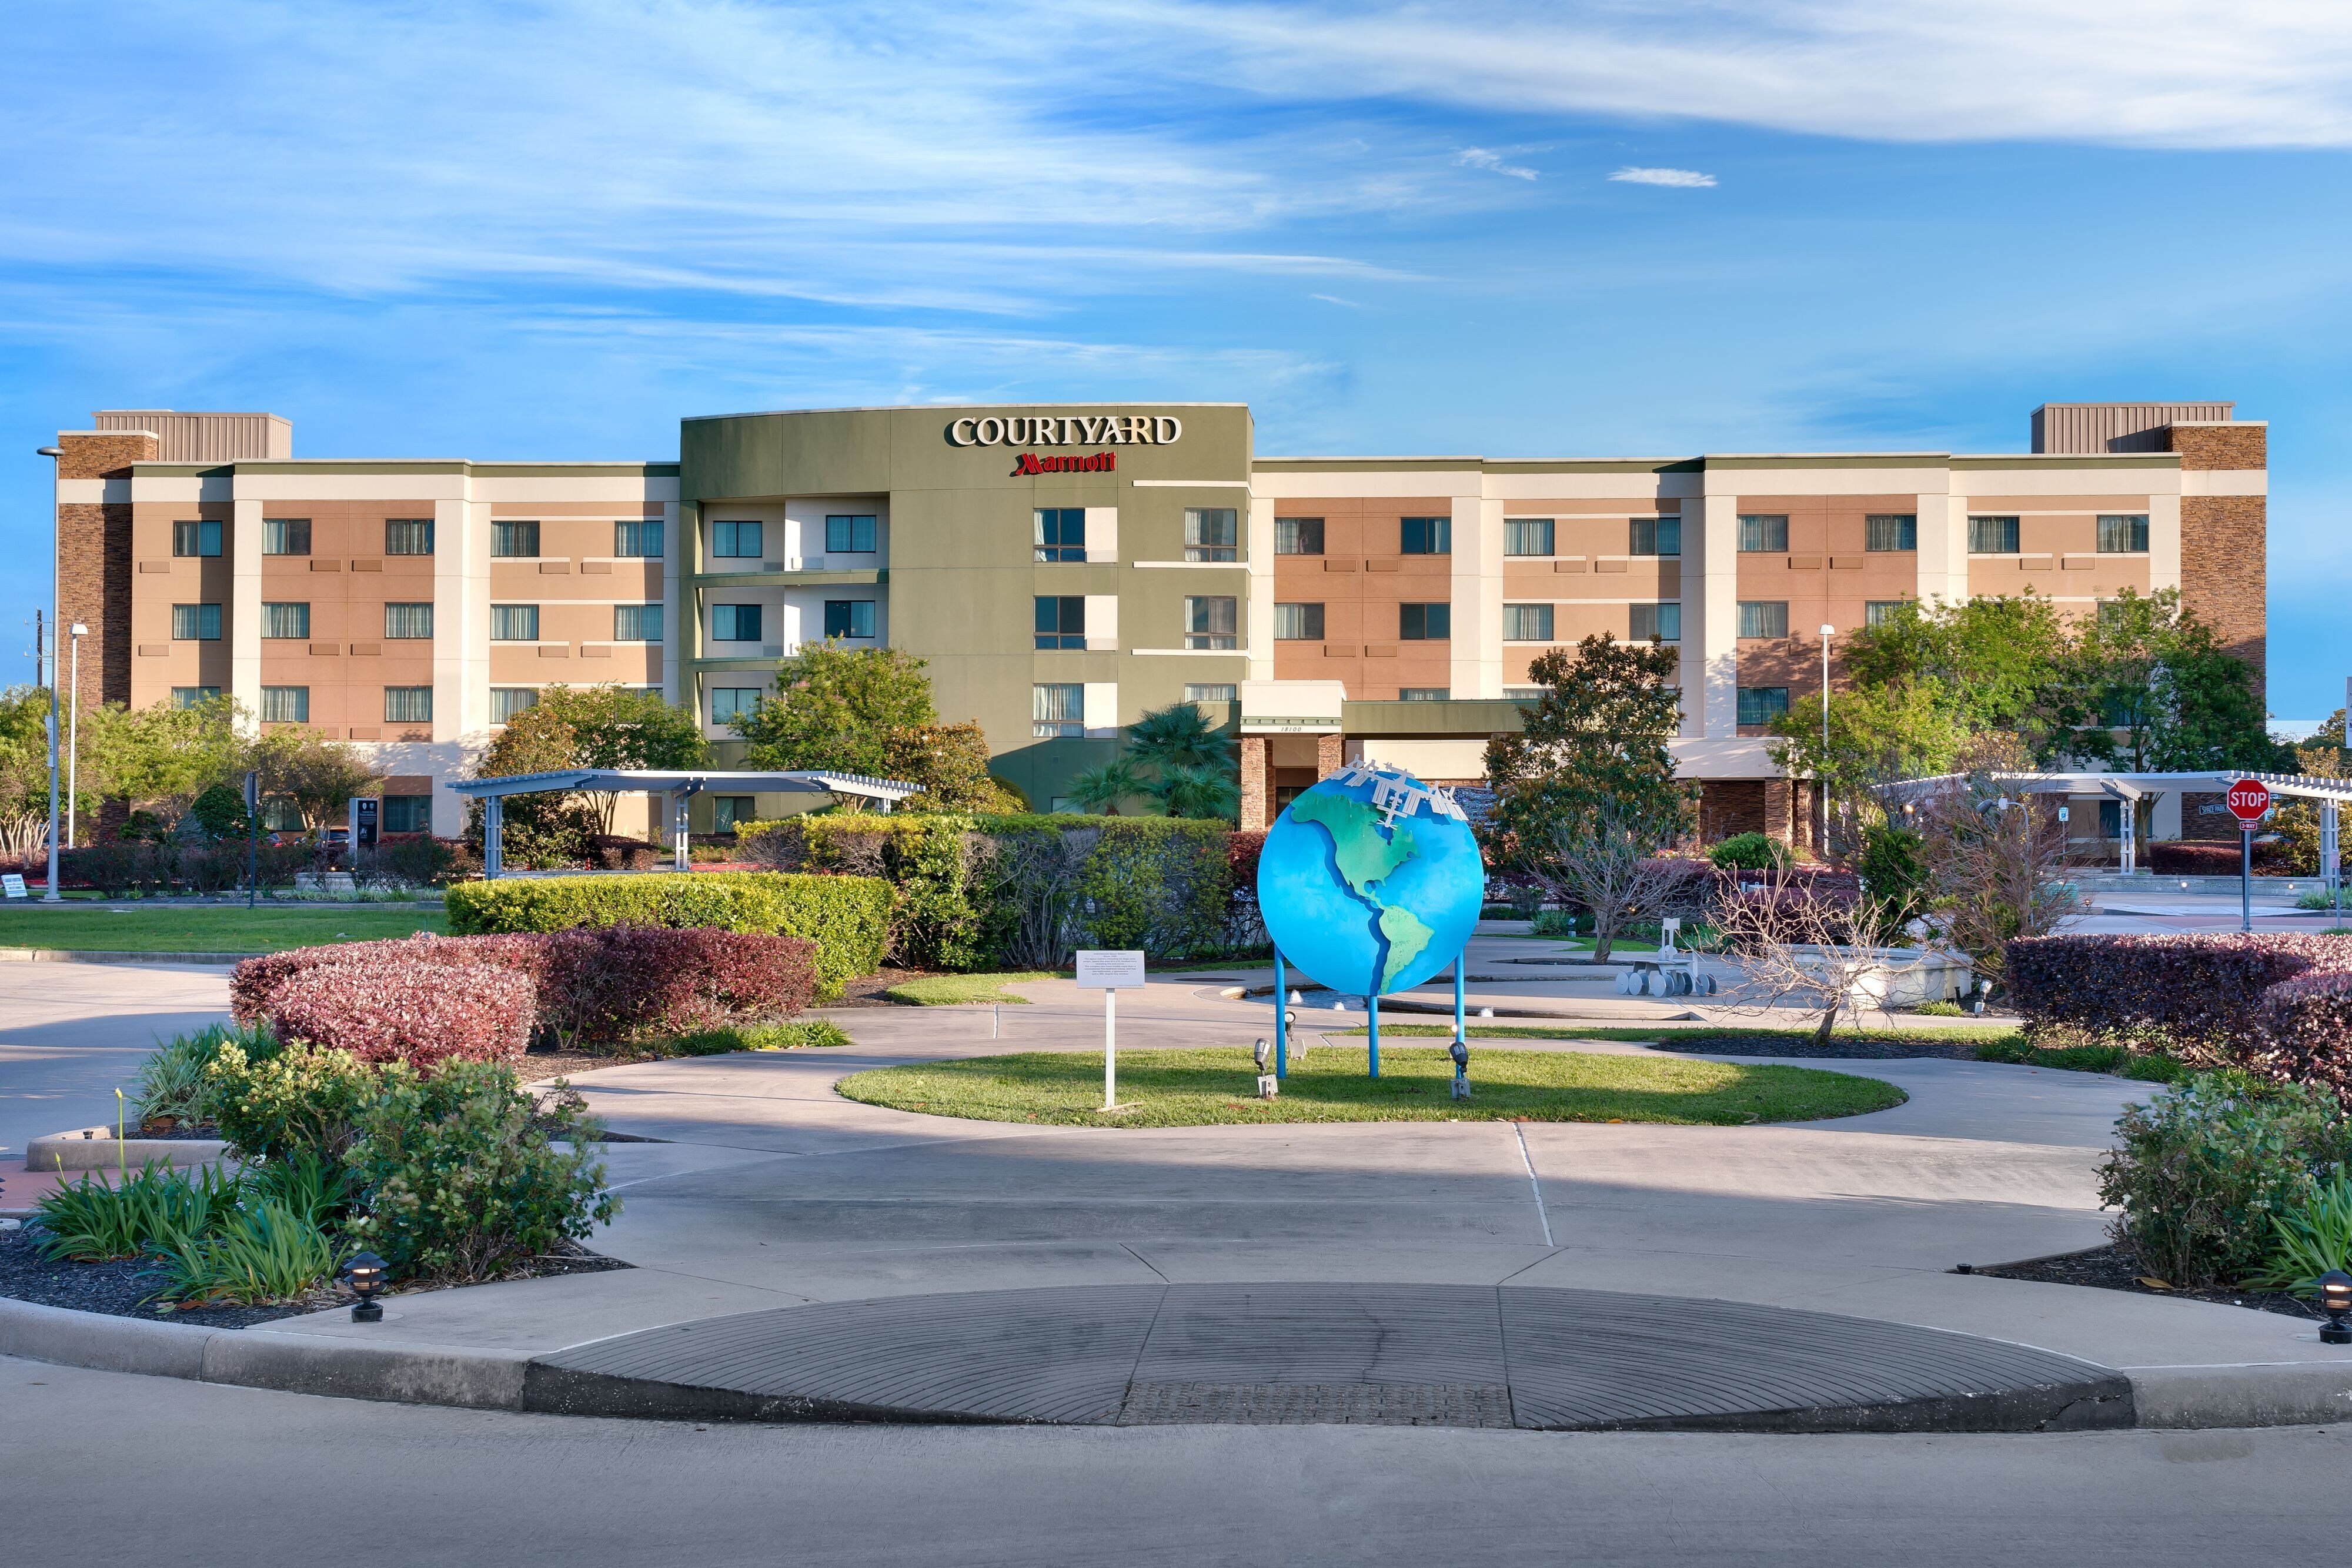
(106, 456)
(2223, 543)
(94, 565)
(2211, 446)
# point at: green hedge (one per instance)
(848, 917)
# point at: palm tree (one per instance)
(1197, 792)
(1102, 787)
(1178, 735)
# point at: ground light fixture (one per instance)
(2335, 1301)
(366, 1274)
(1460, 1052)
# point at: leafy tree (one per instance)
(615, 726)
(951, 762)
(319, 775)
(835, 707)
(163, 758)
(1904, 729)
(220, 813)
(1997, 662)
(2159, 694)
(1587, 788)
(544, 829)
(24, 769)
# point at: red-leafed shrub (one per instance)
(418, 1013)
(615, 984)
(2301, 1031)
(2201, 987)
(2189, 857)
(254, 981)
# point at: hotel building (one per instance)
(1064, 568)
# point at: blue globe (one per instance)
(1370, 882)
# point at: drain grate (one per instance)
(1317, 1404)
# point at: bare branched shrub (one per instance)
(1800, 944)
(1606, 863)
(1038, 876)
(1993, 864)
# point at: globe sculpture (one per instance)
(1370, 882)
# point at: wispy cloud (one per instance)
(1486, 157)
(1689, 177)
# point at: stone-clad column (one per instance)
(1327, 756)
(1258, 785)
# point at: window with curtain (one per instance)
(849, 617)
(516, 540)
(1656, 535)
(407, 622)
(1425, 695)
(1661, 622)
(1763, 618)
(1298, 623)
(286, 620)
(1209, 622)
(636, 623)
(195, 623)
(1424, 622)
(1212, 692)
(508, 701)
(1527, 622)
(514, 623)
(1879, 611)
(286, 705)
(408, 813)
(1061, 533)
(414, 536)
(1890, 531)
(1992, 536)
(2123, 536)
(738, 538)
(1298, 535)
(202, 538)
(638, 538)
(1426, 536)
(285, 536)
(1527, 535)
(1059, 710)
(730, 811)
(849, 534)
(1764, 533)
(407, 705)
(1762, 705)
(1212, 533)
(728, 704)
(193, 696)
(1061, 620)
(734, 622)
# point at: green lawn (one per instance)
(945, 990)
(205, 928)
(1199, 1087)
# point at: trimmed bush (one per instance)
(2199, 989)
(297, 1098)
(2189, 857)
(255, 981)
(1750, 852)
(419, 1013)
(2302, 1032)
(628, 983)
(847, 917)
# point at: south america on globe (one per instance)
(1370, 882)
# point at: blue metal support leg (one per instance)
(1372, 1003)
(1281, 1020)
(1459, 1034)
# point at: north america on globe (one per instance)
(1366, 849)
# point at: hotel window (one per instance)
(1211, 622)
(518, 540)
(282, 814)
(1525, 693)
(193, 696)
(639, 539)
(414, 536)
(1426, 536)
(1762, 705)
(508, 701)
(1425, 695)
(734, 622)
(1298, 535)
(1661, 622)
(1992, 536)
(286, 705)
(1527, 535)
(2123, 536)
(1765, 533)
(1890, 531)
(728, 704)
(737, 540)
(407, 622)
(636, 623)
(1879, 611)
(849, 534)
(1656, 535)
(1211, 533)
(1527, 622)
(1298, 623)
(1424, 622)
(407, 705)
(408, 813)
(1061, 620)
(285, 621)
(514, 623)
(196, 538)
(1212, 692)
(195, 623)
(1061, 533)
(849, 617)
(1763, 618)
(1059, 710)
(728, 811)
(285, 536)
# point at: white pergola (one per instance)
(680, 785)
(2131, 789)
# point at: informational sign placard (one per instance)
(13, 884)
(2248, 798)
(1110, 969)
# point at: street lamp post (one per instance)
(53, 453)
(1821, 774)
(73, 735)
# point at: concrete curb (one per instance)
(93, 956)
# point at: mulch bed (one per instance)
(866, 990)
(2117, 1268)
(125, 1290)
(1851, 1049)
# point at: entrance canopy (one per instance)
(2131, 789)
(680, 785)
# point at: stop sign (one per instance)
(2248, 798)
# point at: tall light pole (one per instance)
(53, 453)
(73, 735)
(1821, 774)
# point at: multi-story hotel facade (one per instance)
(1065, 567)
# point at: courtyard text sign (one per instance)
(1066, 430)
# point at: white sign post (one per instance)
(1110, 971)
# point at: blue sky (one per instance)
(549, 230)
